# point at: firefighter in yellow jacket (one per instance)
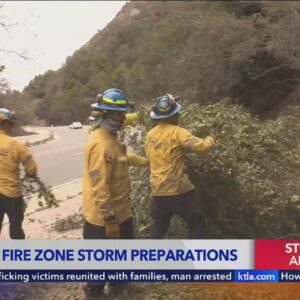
(12, 154)
(172, 191)
(106, 183)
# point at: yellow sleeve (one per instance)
(99, 168)
(193, 143)
(26, 159)
(136, 160)
(131, 119)
(146, 145)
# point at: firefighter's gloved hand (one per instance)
(112, 230)
(131, 118)
(112, 227)
(209, 141)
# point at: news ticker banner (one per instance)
(150, 260)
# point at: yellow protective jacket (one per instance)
(12, 153)
(106, 183)
(165, 147)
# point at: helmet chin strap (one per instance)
(112, 125)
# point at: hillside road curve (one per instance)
(61, 160)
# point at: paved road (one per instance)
(61, 160)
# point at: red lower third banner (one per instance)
(277, 254)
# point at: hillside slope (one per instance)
(204, 51)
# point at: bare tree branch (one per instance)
(256, 76)
(293, 10)
(193, 56)
(3, 24)
(15, 52)
(280, 81)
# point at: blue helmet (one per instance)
(165, 107)
(6, 114)
(111, 100)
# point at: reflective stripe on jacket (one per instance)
(106, 183)
(12, 153)
(165, 147)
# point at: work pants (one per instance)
(95, 232)
(14, 208)
(185, 205)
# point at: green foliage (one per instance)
(34, 185)
(69, 106)
(248, 183)
(245, 181)
(37, 86)
(71, 222)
